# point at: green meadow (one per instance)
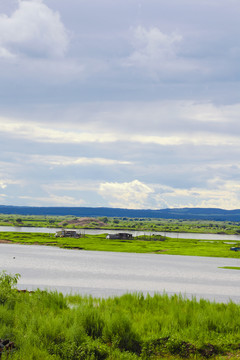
(49, 326)
(141, 244)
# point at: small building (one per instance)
(122, 236)
(67, 233)
(235, 248)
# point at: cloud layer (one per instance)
(130, 105)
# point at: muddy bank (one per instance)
(5, 241)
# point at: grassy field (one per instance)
(48, 326)
(144, 224)
(141, 244)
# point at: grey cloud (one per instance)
(177, 123)
(161, 118)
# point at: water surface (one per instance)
(105, 274)
(179, 235)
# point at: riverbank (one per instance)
(123, 223)
(129, 327)
(141, 244)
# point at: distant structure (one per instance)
(67, 233)
(123, 236)
(235, 248)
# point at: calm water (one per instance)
(135, 233)
(105, 274)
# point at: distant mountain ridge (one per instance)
(176, 213)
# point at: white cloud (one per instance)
(33, 30)
(195, 139)
(169, 122)
(217, 194)
(43, 133)
(72, 185)
(153, 45)
(73, 161)
(137, 195)
(131, 195)
(6, 180)
(52, 200)
(4, 53)
(159, 54)
(2, 184)
(47, 134)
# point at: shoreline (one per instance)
(166, 246)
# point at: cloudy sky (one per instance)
(127, 103)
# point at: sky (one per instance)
(120, 103)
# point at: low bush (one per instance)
(118, 333)
(7, 287)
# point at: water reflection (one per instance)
(106, 274)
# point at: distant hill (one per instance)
(183, 213)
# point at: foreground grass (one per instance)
(47, 325)
(154, 244)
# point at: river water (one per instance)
(103, 274)
(135, 233)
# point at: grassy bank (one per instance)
(46, 326)
(141, 244)
(143, 224)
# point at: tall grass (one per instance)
(47, 325)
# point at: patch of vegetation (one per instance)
(131, 327)
(123, 223)
(140, 244)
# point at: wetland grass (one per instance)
(48, 325)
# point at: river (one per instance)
(103, 274)
(179, 235)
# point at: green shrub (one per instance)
(119, 333)
(76, 333)
(93, 350)
(7, 287)
(91, 321)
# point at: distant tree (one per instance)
(104, 219)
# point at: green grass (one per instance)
(47, 325)
(230, 267)
(170, 246)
